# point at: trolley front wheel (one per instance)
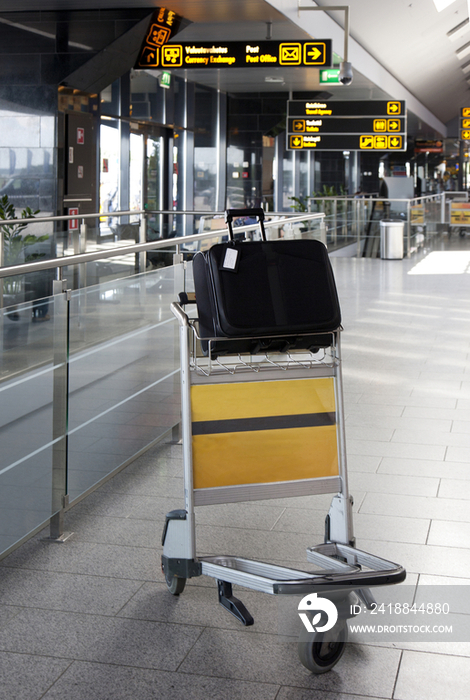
(322, 650)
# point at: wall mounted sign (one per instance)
(428, 146)
(73, 223)
(372, 125)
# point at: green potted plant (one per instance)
(15, 245)
(300, 205)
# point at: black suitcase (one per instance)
(271, 295)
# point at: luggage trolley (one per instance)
(254, 411)
(459, 215)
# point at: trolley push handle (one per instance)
(231, 214)
(180, 315)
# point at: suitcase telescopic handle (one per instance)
(231, 214)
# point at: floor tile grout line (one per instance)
(429, 531)
(116, 614)
(392, 697)
(73, 661)
(278, 518)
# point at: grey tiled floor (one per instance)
(91, 619)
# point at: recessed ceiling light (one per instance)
(466, 67)
(269, 79)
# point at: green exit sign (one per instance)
(330, 75)
(165, 79)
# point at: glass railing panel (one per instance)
(33, 352)
(124, 372)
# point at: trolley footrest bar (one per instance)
(342, 568)
(373, 571)
(260, 576)
(232, 604)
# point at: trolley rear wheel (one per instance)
(175, 584)
(322, 650)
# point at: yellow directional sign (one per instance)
(290, 54)
(150, 56)
(296, 142)
(380, 125)
(394, 108)
(395, 142)
(465, 135)
(465, 123)
(299, 125)
(465, 111)
(366, 142)
(393, 125)
(314, 53)
(380, 143)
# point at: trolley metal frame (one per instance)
(342, 569)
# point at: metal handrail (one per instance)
(80, 258)
(131, 212)
(69, 217)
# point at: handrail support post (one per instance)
(60, 496)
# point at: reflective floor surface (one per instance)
(92, 618)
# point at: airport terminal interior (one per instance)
(127, 129)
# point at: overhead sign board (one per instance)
(345, 125)
(347, 142)
(340, 108)
(164, 24)
(242, 54)
(372, 125)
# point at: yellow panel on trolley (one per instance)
(263, 432)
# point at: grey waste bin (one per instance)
(391, 240)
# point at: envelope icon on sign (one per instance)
(290, 54)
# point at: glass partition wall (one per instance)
(85, 388)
